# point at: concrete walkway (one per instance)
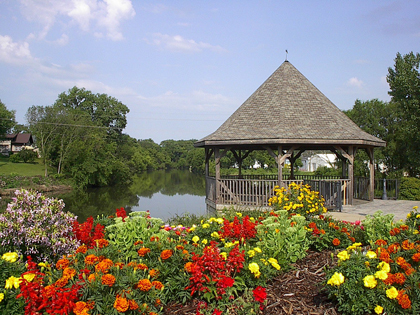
(361, 208)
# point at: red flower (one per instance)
(259, 294)
(336, 242)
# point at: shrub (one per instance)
(27, 155)
(410, 188)
(15, 158)
(36, 225)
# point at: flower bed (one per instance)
(136, 264)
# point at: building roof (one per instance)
(288, 110)
(20, 138)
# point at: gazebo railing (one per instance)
(257, 192)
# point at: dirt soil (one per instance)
(298, 291)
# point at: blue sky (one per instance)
(183, 67)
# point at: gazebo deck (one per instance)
(254, 191)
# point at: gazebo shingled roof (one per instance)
(288, 109)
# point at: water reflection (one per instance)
(164, 193)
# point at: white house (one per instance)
(311, 163)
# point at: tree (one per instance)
(7, 119)
(404, 82)
(103, 110)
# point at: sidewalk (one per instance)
(361, 208)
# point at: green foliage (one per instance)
(410, 188)
(15, 158)
(378, 226)
(7, 120)
(11, 268)
(27, 156)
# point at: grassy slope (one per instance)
(21, 169)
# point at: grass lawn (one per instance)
(21, 169)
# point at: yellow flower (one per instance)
(381, 274)
(336, 279)
(274, 263)
(239, 214)
(29, 277)
(258, 250)
(416, 232)
(392, 293)
(12, 282)
(224, 255)
(408, 215)
(371, 254)
(192, 229)
(219, 220)
(370, 281)
(205, 226)
(255, 269)
(195, 239)
(215, 235)
(415, 207)
(344, 255)
(1, 297)
(252, 219)
(379, 309)
(384, 266)
(204, 242)
(251, 253)
(10, 257)
(354, 246)
(42, 264)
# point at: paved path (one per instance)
(361, 208)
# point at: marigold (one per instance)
(80, 308)
(144, 285)
(189, 267)
(167, 253)
(101, 243)
(336, 242)
(154, 273)
(336, 279)
(379, 309)
(403, 300)
(48, 291)
(91, 260)
(344, 255)
(81, 249)
(62, 263)
(104, 265)
(391, 293)
(381, 242)
(62, 282)
(370, 281)
(158, 285)
(416, 257)
(121, 304)
(143, 251)
(141, 267)
(69, 273)
(133, 305)
(399, 278)
(108, 279)
(92, 277)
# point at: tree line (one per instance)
(81, 135)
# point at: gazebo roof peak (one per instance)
(287, 109)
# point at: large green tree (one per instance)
(7, 119)
(404, 82)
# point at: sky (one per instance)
(183, 67)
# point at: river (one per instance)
(164, 193)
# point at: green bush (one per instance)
(27, 156)
(410, 188)
(15, 158)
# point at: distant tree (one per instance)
(404, 82)
(27, 156)
(7, 119)
(103, 110)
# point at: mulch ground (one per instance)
(298, 291)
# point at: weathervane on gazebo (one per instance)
(286, 54)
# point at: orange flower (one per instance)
(138, 242)
(101, 243)
(81, 249)
(158, 285)
(167, 253)
(69, 273)
(142, 267)
(91, 277)
(154, 239)
(133, 305)
(399, 278)
(119, 265)
(336, 242)
(381, 242)
(104, 265)
(144, 285)
(49, 291)
(384, 256)
(154, 273)
(121, 304)
(62, 282)
(62, 263)
(80, 308)
(403, 299)
(416, 257)
(393, 248)
(91, 260)
(180, 247)
(312, 225)
(407, 245)
(143, 251)
(189, 267)
(108, 280)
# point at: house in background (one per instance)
(13, 143)
(312, 162)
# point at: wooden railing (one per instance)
(257, 192)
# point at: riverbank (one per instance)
(9, 192)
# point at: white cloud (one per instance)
(179, 44)
(13, 52)
(96, 16)
(355, 82)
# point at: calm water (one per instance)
(164, 193)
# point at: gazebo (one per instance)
(285, 116)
